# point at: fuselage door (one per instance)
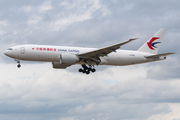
(22, 50)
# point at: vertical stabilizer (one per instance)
(153, 44)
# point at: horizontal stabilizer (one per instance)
(159, 55)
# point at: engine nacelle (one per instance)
(57, 65)
(68, 59)
(65, 61)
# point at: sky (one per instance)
(36, 91)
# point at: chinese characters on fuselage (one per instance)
(54, 49)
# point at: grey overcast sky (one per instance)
(39, 92)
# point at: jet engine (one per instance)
(68, 59)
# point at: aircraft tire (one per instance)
(93, 70)
(87, 72)
(80, 70)
(83, 71)
(90, 69)
(18, 65)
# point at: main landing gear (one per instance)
(86, 69)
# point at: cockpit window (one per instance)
(9, 49)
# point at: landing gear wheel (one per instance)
(80, 70)
(93, 70)
(18, 65)
(83, 71)
(90, 69)
(87, 72)
(86, 69)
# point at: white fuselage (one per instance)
(47, 53)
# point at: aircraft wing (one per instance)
(159, 55)
(104, 51)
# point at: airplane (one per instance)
(65, 56)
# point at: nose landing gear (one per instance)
(86, 69)
(19, 65)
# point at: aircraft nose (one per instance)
(8, 53)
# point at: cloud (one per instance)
(77, 12)
(44, 90)
(171, 115)
(164, 70)
(4, 23)
(34, 20)
(46, 6)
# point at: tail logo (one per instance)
(151, 44)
